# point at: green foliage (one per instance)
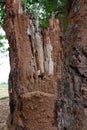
(44, 23)
(2, 40)
(1, 37)
(2, 12)
(43, 9)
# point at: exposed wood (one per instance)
(35, 60)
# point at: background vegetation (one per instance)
(42, 10)
(3, 90)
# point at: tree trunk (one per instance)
(35, 60)
(72, 100)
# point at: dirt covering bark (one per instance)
(35, 60)
(42, 97)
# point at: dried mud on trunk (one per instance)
(35, 61)
(48, 77)
(4, 111)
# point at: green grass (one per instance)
(3, 85)
(3, 90)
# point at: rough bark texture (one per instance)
(35, 60)
(72, 103)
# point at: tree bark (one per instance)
(35, 60)
(72, 99)
(42, 97)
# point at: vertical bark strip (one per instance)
(35, 60)
(72, 100)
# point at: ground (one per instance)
(4, 107)
(4, 111)
(3, 90)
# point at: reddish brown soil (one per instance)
(4, 111)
